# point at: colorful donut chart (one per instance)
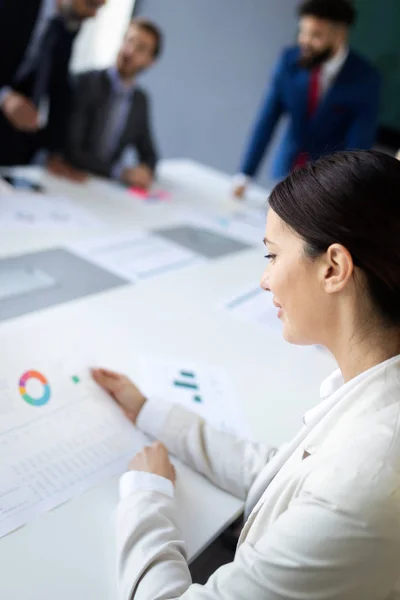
(24, 394)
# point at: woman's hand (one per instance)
(154, 459)
(124, 392)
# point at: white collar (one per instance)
(332, 66)
(333, 383)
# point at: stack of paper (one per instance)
(60, 434)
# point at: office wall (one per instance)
(381, 45)
(208, 85)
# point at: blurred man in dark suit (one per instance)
(329, 93)
(111, 114)
(36, 38)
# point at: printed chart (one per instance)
(198, 387)
(44, 395)
(59, 436)
(187, 381)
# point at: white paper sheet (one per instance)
(135, 256)
(61, 446)
(21, 209)
(245, 225)
(201, 388)
(254, 305)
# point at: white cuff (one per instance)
(139, 481)
(241, 179)
(152, 416)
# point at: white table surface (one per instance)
(69, 553)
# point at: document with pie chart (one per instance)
(59, 436)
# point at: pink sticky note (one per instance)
(139, 192)
(150, 195)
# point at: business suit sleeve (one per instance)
(229, 462)
(145, 143)
(362, 132)
(55, 133)
(83, 102)
(267, 119)
(315, 549)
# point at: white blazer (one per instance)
(326, 518)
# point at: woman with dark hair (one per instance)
(323, 513)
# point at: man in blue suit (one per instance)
(329, 92)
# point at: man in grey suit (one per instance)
(110, 112)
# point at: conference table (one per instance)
(69, 552)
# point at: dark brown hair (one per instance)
(338, 11)
(350, 198)
(155, 31)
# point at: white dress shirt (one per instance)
(329, 71)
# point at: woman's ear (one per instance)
(338, 268)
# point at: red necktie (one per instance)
(313, 91)
(313, 97)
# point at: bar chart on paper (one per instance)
(203, 389)
(187, 381)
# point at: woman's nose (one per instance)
(264, 283)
